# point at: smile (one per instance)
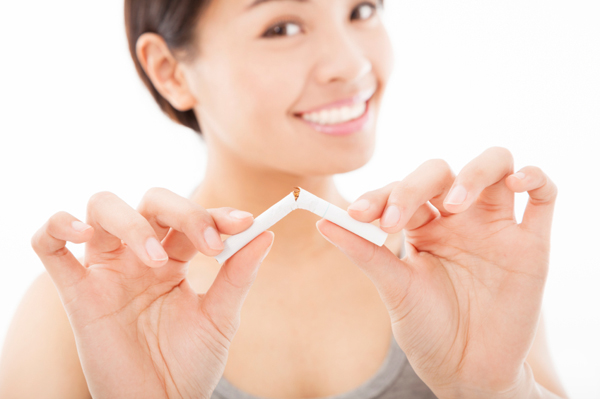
(340, 122)
(334, 116)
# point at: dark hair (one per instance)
(175, 21)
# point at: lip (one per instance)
(346, 128)
(364, 95)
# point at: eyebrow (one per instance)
(258, 2)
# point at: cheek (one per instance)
(267, 89)
(382, 54)
(272, 82)
(252, 99)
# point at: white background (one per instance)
(523, 74)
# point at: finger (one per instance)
(402, 201)
(377, 202)
(49, 243)
(542, 198)
(227, 221)
(115, 223)
(482, 180)
(390, 275)
(368, 207)
(425, 214)
(224, 299)
(194, 228)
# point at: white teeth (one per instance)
(346, 113)
(336, 115)
(323, 116)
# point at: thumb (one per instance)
(390, 275)
(224, 299)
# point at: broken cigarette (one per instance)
(300, 199)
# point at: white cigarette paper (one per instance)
(337, 215)
(300, 199)
(261, 223)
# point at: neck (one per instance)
(251, 188)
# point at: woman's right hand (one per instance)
(140, 328)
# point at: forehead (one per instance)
(233, 8)
(237, 8)
(254, 3)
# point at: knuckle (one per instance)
(443, 168)
(377, 192)
(137, 226)
(555, 190)
(99, 198)
(53, 220)
(547, 189)
(536, 170)
(552, 189)
(42, 242)
(392, 184)
(156, 192)
(438, 164)
(195, 220)
(503, 153)
(56, 222)
(476, 174)
(37, 239)
(540, 172)
(151, 195)
(131, 224)
(404, 192)
(57, 219)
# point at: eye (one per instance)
(364, 11)
(283, 28)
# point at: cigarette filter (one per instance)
(300, 199)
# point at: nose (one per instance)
(342, 57)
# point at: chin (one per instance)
(343, 163)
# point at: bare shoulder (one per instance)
(39, 357)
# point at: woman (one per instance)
(285, 94)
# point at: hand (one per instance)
(141, 330)
(465, 301)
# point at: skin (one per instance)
(166, 328)
(466, 300)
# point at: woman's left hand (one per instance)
(466, 299)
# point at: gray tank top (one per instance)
(395, 379)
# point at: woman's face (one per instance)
(261, 63)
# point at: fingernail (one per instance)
(391, 216)
(323, 235)
(155, 250)
(457, 196)
(266, 252)
(213, 239)
(519, 175)
(360, 205)
(79, 226)
(240, 214)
